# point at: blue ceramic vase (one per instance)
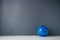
(42, 31)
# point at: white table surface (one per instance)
(29, 38)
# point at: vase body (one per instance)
(42, 30)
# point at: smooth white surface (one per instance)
(29, 38)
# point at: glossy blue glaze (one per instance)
(42, 31)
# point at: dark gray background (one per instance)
(22, 17)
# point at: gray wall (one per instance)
(21, 17)
(0, 16)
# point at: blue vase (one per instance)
(42, 31)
